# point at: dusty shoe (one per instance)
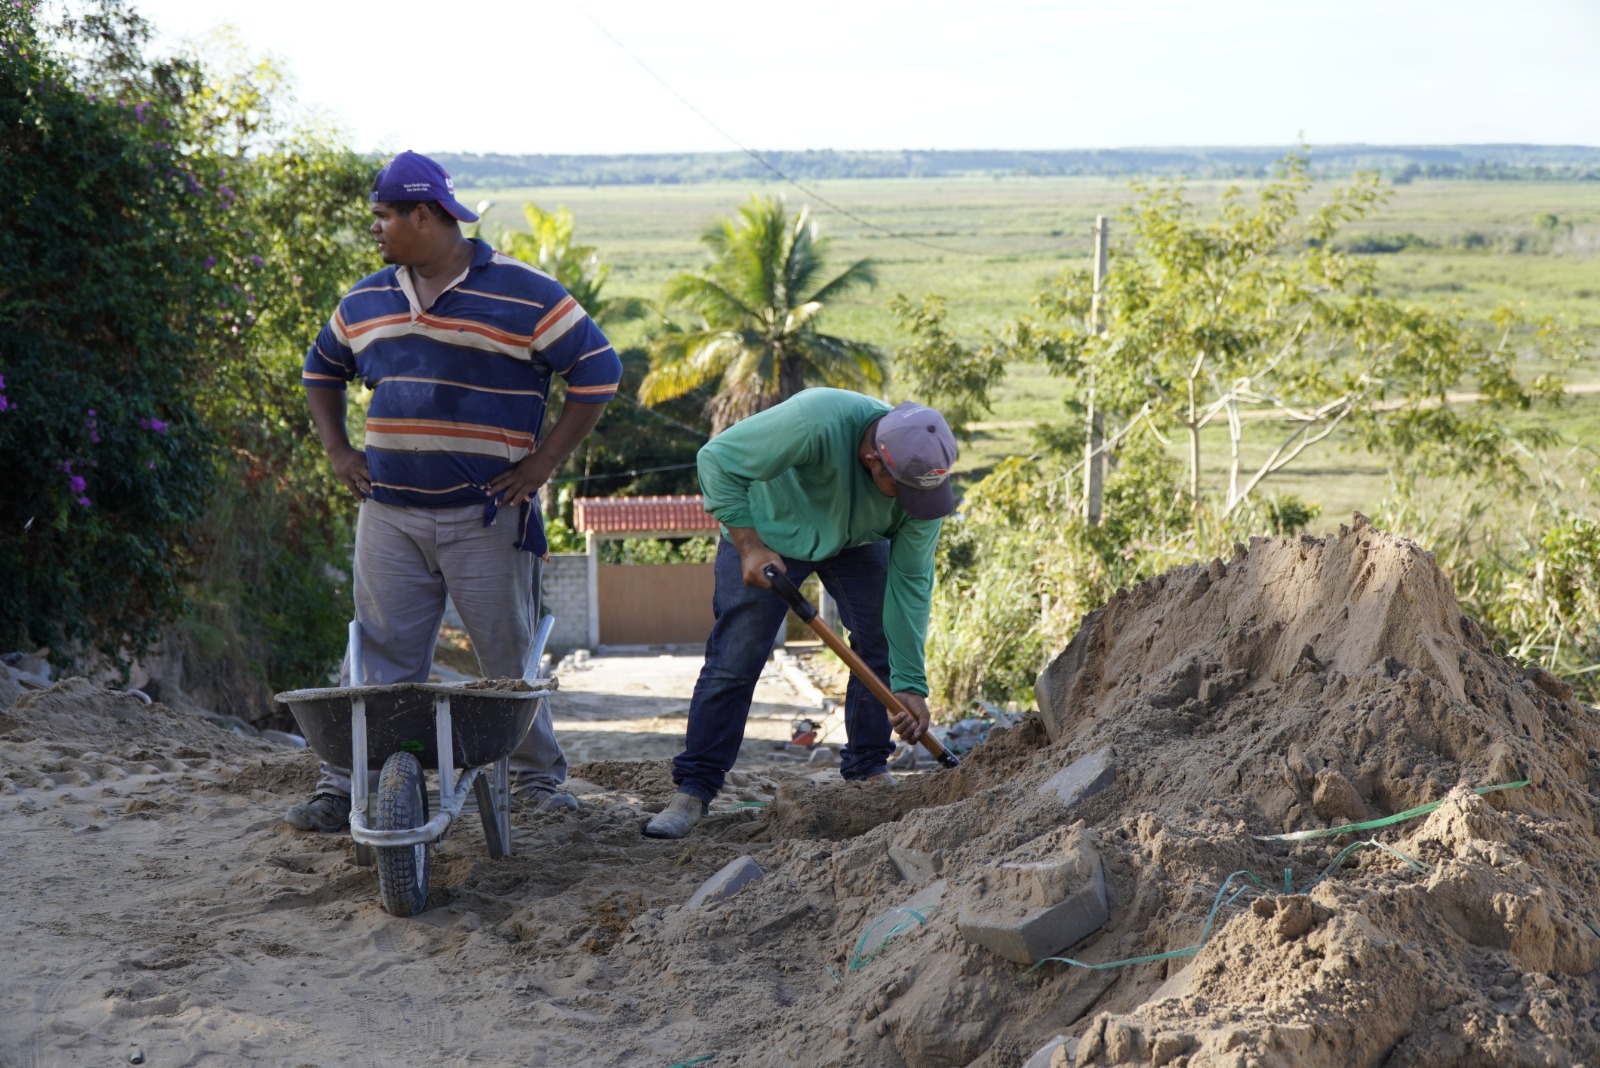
(882, 778)
(543, 799)
(325, 812)
(678, 818)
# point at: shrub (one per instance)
(106, 460)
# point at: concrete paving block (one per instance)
(884, 925)
(1177, 985)
(1083, 778)
(1021, 931)
(734, 876)
(914, 865)
(1045, 1055)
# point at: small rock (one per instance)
(1082, 779)
(734, 876)
(1334, 798)
(914, 865)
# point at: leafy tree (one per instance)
(218, 240)
(548, 245)
(939, 370)
(107, 459)
(1252, 311)
(756, 310)
(1255, 315)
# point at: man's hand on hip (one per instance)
(913, 723)
(519, 482)
(350, 467)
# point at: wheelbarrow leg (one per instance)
(494, 807)
(360, 796)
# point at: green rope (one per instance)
(1398, 817)
(857, 960)
(697, 1060)
(1370, 843)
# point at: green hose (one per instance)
(1398, 817)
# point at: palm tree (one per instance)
(548, 245)
(755, 333)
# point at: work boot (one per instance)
(678, 818)
(543, 799)
(884, 778)
(325, 812)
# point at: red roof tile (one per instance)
(641, 515)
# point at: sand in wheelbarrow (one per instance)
(1302, 684)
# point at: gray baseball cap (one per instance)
(917, 448)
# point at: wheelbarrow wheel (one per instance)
(402, 805)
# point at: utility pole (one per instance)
(1094, 460)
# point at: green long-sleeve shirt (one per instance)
(791, 472)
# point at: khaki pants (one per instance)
(407, 560)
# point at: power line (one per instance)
(664, 418)
(759, 158)
(624, 474)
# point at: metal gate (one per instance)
(654, 604)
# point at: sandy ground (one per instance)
(160, 909)
(1332, 828)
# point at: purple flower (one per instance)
(92, 425)
(4, 404)
(86, 502)
(211, 261)
(159, 426)
(258, 261)
(78, 484)
(65, 467)
(151, 464)
(138, 111)
(2, 381)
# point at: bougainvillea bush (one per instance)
(104, 462)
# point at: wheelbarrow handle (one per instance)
(807, 613)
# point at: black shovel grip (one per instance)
(790, 593)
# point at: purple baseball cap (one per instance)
(917, 448)
(412, 176)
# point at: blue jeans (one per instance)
(747, 619)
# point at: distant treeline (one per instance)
(1401, 163)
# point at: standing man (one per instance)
(457, 343)
(839, 484)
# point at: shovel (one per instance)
(858, 667)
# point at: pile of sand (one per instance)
(1301, 685)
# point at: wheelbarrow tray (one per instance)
(486, 724)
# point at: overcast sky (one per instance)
(523, 76)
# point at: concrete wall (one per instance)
(566, 596)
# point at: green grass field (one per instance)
(988, 245)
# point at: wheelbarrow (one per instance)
(404, 730)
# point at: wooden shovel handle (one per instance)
(858, 667)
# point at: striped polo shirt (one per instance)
(459, 389)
